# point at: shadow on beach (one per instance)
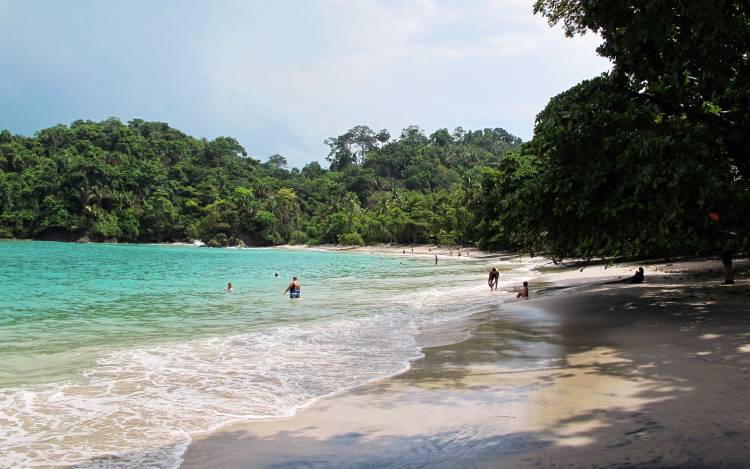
(650, 375)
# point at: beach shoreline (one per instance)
(592, 343)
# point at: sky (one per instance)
(283, 76)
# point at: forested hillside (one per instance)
(649, 159)
(147, 182)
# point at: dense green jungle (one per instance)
(649, 159)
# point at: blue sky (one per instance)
(283, 76)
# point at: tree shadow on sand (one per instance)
(684, 347)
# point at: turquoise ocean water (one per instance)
(112, 355)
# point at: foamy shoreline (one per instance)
(328, 417)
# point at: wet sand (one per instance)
(651, 375)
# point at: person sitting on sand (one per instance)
(524, 291)
(294, 288)
(229, 288)
(638, 277)
(493, 279)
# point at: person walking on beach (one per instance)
(435, 259)
(493, 279)
(294, 288)
(726, 249)
(524, 291)
(726, 259)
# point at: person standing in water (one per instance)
(229, 288)
(493, 279)
(435, 259)
(294, 288)
(524, 291)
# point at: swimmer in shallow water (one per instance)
(229, 288)
(294, 288)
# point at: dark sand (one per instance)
(651, 375)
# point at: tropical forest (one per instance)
(649, 159)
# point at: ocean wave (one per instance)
(138, 406)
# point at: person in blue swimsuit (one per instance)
(294, 288)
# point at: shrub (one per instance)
(352, 239)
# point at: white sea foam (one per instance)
(137, 406)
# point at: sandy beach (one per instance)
(419, 250)
(584, 374)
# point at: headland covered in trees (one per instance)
(148, 182)
(649, 159)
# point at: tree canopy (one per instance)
(632, 163)
(145, 181)
(640, 161)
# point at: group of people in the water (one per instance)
(294, 288)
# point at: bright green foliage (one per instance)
(144, 181)
(352, 239)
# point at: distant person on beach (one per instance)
(435, 259)
(294, 288)
(726, 259)
(727, 249)
(524, 291)
(493, 279)
(403, 251)
(229, 288)
(638, 277)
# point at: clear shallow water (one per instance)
(111, 355)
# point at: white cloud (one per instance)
(313, 74)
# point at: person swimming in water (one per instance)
(229, 288)
(294, 288)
